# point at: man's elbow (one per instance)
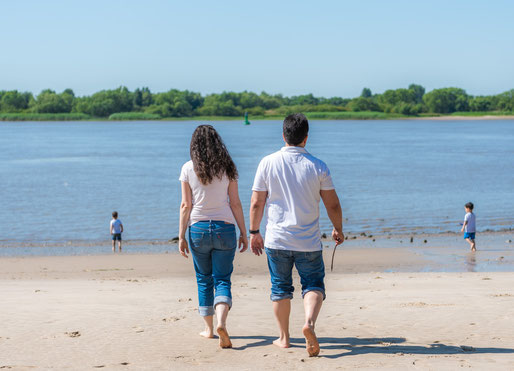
(335, 207)
(257, 205)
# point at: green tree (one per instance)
(14, 101)
(446, 100)
(48, 101)
(505, 101)
(363, 104)
(418, 92)
(366, 93)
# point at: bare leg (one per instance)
(208, 332)
(312, 302)
(113, 246)
(282, 309)
(471, 244)
(119, 245)
(221, 315)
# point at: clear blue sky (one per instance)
(329, 48)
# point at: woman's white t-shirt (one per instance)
(210, 202)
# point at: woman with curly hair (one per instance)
(211, 207)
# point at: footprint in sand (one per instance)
(173, 319)
(73, 334)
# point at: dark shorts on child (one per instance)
(116, 236)
(471, 236)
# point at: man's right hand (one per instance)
(257, 244)
(338, 236)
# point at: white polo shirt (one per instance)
(293, 179)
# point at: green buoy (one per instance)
(246, 119)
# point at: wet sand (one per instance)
(138, 311)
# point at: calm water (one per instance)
(61, 181)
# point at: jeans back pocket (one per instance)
(195, 239)
(227, 239)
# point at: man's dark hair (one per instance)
(469, 205)
(296, 128)
(115, 214)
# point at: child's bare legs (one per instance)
(282, 309)
(113, 245)
(119, 245)
(471, 244)
(208, 332)
(221, 315)
(312, 302)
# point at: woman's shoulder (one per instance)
(188, 166)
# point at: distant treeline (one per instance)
(141, 103)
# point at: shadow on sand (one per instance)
(387, 345)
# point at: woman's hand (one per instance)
(182, 247)
(243, 241)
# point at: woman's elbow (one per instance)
(236, 204)
(186, 206)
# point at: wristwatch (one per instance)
(254, 231)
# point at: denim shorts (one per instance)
(469, 235)
(310, 267)
(116, 236)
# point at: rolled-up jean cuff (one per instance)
(206, 311)
(314, 289)
(277, 297)
(223, 299)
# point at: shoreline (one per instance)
(350, 236)
(310, 116)
(424, 253)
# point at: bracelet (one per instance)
(254, 231)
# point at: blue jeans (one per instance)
(310, 267)
(213, 246)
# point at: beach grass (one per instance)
(142, 116)
(44, 117)
(125, 116)
(483, 113)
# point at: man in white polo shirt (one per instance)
(290, 183)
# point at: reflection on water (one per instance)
(471, 261)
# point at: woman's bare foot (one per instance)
(282, 343)
(311, 342)
(224, 338)
(207, 334)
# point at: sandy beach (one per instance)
(138, 311)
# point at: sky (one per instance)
(328, 48)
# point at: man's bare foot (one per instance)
(207, 334)
(281, 343)
(311, 342)
(224, 338)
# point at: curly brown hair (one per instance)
(210, 156)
